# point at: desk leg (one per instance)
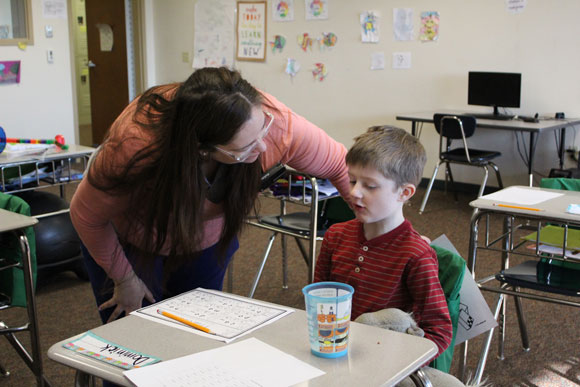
(562, 149)
(36, 360)
(413, 128)
(531, 160)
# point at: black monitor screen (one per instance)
(494, 89)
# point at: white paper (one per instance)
(475, 317)
(369, 23)
(515, 6)
(213, 44)
(403, 23)
(378, 61)
(523, 196)
(226, 315)
(54, 9)
(316, 9)
(250, 363)
(401, 60)
(283, 10)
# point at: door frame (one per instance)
(137, 44)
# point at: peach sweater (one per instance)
(99, 217)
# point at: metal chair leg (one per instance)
(420, 379)
(497, 174)
(424, 202)
(483, 182)
(264, 259)
(284, 261)
(487, 343)
(84, 380)
(3, 371)
(522, 322)
(449, 174)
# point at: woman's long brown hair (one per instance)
(164, 180)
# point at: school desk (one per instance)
(533, 129)
(376, 356)
(519, 220)
(17, 223)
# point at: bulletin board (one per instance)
(251, 31)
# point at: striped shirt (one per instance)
(395, 270)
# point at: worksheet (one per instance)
(213, 314)
(249, 363)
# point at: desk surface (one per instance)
(53, 154)
(12, 221)
(553, 208)
(376, 356)
(550, 124)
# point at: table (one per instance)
(58, 161)
(552, 211)
(376, 356)
(532, 128)
(13, 222)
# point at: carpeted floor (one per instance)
(66, 306)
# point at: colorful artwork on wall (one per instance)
(10, 71)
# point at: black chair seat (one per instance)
(477, 155)
(543, 276)
(298, 222)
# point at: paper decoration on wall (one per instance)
(369, 23)
(316, 9)
(106, 37)
(213, 35)
(292, 67)
(278, 43)
(401, 60)
(378, 61)
(283, 10)
(429, 26)
(329, 39)
(403, 23)
(515, 6)
(10, 71)
(305, 41)
(319, 72)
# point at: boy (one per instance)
(379, 253)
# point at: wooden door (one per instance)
(107, 47)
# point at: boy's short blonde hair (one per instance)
(392, 151)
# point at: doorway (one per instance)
(106, 49)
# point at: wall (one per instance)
(474, 35)
(41, 105)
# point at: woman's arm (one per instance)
(295, 141)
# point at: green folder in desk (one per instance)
(554, 236)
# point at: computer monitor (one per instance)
(494, 89)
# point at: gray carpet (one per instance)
(66, 306)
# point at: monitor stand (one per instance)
(496, 115)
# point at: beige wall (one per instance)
(541, 43)
(41, 105)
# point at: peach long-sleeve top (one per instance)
(100, 218)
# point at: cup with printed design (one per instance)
(328, 306)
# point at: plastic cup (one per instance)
(328, 306)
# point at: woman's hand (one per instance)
(127, 296)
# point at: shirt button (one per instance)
(365, 248)
(357, 270)
(361, 258)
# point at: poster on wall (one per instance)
(9, 71)
(283, 10)
(213, 43)
(429, 26)
(251, 31)
(369, 22)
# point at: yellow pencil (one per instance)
(184, 321)
(517, 207)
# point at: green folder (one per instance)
(554, 236)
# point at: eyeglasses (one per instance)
(269, 119)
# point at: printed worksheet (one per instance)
(213, 314)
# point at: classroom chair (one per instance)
(17, 285)
(547, 276)
(451, 272)
(459, 127)
(321, 214)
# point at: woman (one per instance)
(169, 189)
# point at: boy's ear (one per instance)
(407, 192)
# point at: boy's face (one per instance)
(375, 198)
